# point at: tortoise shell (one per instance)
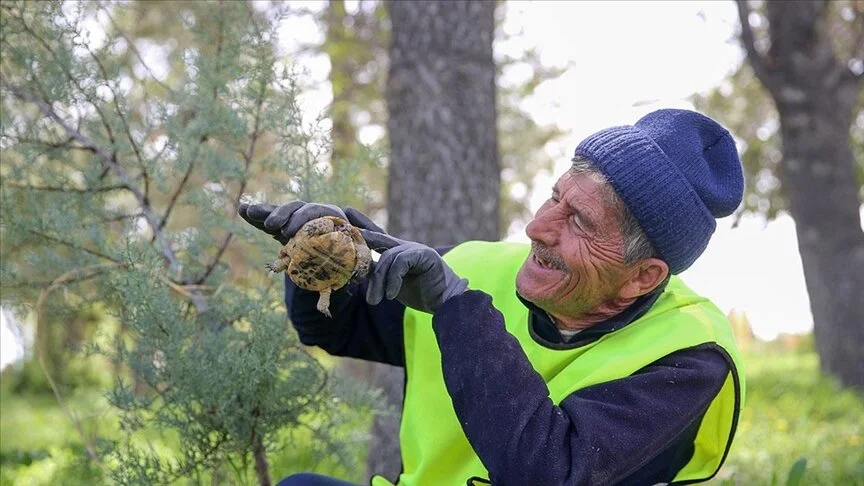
(323, 256)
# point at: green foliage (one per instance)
(792, 413)
(41, 447)
(119, 199)
(796, 474)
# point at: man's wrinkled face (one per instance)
(576, 263)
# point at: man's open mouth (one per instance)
(540, 261)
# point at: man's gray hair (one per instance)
(636, 244)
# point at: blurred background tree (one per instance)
(798, 107)
(121, 188)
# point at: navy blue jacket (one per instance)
(635, 430)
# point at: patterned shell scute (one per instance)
(322, 262)
(325, 254)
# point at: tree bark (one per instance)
(444, 178)
(820, 179)
(444, 171)
(816, 96)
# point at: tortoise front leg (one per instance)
(277, 265)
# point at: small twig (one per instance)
(65, 145)
(74, 246)
(135, 51)
(176, 195)
(215, 261)
(64, 189)
(67, 277)
(88, 444)
(183, 290)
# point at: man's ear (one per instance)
(645, 277)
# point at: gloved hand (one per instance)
(412, 273)
(283, 221)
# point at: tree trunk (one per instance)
(818, 174)
(444, 171)
(816, 95)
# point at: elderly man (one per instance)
(580, 359)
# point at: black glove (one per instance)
(283, 221)
(412, 273)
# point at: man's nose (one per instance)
(543, 229)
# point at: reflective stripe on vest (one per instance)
(434, 447)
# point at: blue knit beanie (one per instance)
(676, 170)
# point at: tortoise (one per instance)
(323, 256)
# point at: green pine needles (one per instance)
(130, 133)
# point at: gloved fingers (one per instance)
(375, 290)
(379, 241)
(256, 214)
(378, 278)
(278, 217)
(308, 213)
(360, 220)
(401, 266)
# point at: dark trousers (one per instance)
(309, 479)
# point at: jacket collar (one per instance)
(545, 332)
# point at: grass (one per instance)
(791, 412)
(39, 443)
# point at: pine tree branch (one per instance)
(204, 137)
(116, 103)
(215, 261)
(65, 189)
(176, 195)
(65, 145)
(761, 65)
(109, 160)
(135, 51)
(190, 292)
(126, 128)
(75, 246)
(69, 76)
(247, 160)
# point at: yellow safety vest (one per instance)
(435, 450)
